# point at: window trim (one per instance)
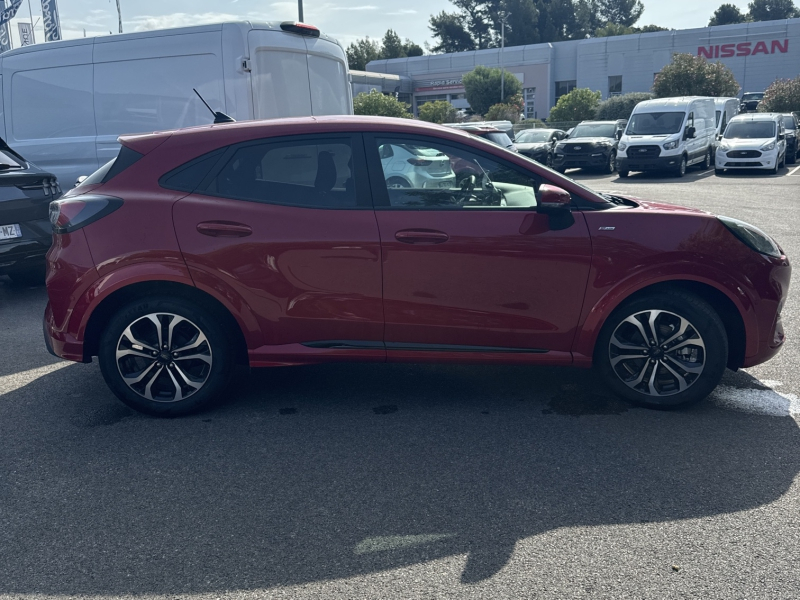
(362, 188)
(380, 194)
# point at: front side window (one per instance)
(655, 123)
(316, 174)
(750, 130)
(789, 122)
(439, 176)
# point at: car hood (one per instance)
(637, 202)
(746, 144)
(532, 146)
(588, 140)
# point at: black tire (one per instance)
(397, 182)
(672, 308)
(680, 171)
(623, 174)
(792, 158)
(30, 277)
(212, 378)
(611, 163)
(549, 161)
(719, 172)
(783, 161)
(561, 170)
(706, 164)
(774, 170)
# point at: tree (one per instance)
(360, 52)
(727, 14)
(482, 87)
(503, 112)
(578, 105)
(440, 111)
(690, 75)
(392, 45)
(379, 105)
(772, 10)
(612, 29)
(621, 12)
(782, 95)
(620, 107)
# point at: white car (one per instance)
(410, 166)
(752, 141)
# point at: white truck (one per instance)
(65, 103)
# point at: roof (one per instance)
(757, 117)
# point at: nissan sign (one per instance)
(744, 49)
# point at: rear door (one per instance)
(286, 227)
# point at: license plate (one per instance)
(8, 232)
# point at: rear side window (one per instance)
(307, 173)
(188, 177)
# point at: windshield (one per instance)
(753, 96)
(501, 139)
(532, 136)
(655, 123)
(587, 130)
(750, 130)
(789, 123)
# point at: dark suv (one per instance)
(592, 144)
(792, 126)
(25, 232)
(750, 101)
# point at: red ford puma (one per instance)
(280, 243)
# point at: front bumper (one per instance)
(658, 163)
(771, 336)
(593, 159)
(767, 160)
(539, 156)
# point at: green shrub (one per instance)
(380, 105)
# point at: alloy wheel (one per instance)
(657, 353)
(164, 357)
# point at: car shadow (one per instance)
(332, 471)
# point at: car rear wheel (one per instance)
(706, 164)
(663, 351)
(165, 356)
(397, 182)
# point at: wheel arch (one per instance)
(722, 304)
(103, 312)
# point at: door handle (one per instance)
(224, 229)
(421, 236)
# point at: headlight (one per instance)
(768, 147)
(724, 146)
(752, 236)
(622, 146)
(670, 145)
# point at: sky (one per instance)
(346, 20)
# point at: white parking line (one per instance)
(793, 171)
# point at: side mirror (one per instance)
(690, 131)
(618, 135)
(781, 136)
(81, 179)
(719, 137)
(552, 197)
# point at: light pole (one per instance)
(503, 22)
(119, 16)
(300, 10)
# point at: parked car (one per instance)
(592, 144)
(411, 166)
(750, 101)
(668, 134)
(539, 144)
(487, 132)
(67, 102)
(753, 141)
(791, 126)
(283, 242)
(725, 110)
(25, 233)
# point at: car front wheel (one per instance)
(680, 171)
(663, 351)
(165, 356)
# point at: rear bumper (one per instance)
(28, 251)
(658, 163)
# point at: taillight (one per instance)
(300, 28)
(69, 214)
(419, 162)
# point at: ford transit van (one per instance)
(725, 110)
(668, 134)
(65, 103)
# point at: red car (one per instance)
(279, 243)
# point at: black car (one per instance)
(792, 126)
(750, 101)
(592, 144)
(539, 144)
(25, 231)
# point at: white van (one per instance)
(726, 109)
(668, 134)
(65, 103)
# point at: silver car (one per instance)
(407, 165)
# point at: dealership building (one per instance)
(757, 53)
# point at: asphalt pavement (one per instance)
(408, 481)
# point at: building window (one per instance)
(615, 85)
(433, 98)
(461, 96)
(564, 87)
(530, 102)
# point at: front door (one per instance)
(469, 265)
